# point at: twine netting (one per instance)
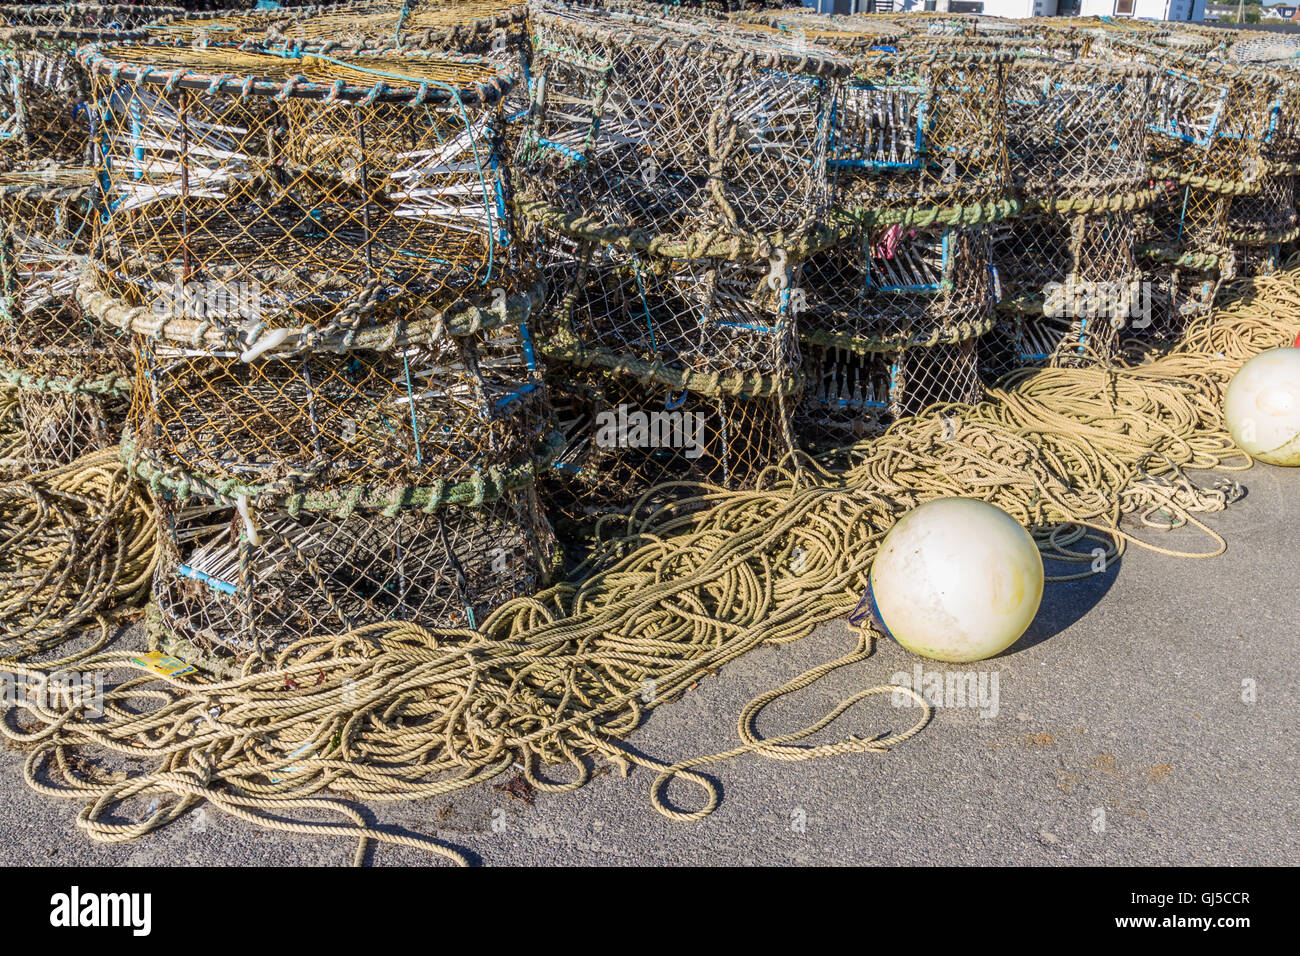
(1265, 217)
(625, 437)
(337, 193)
(922, 128)
(449, 411)
(638, 127)
(1071, 282)
(225, 592)
(44, 93)
(1077, 129)
(890, 286)
(707, 317)
(1209, 121)
(853, 394)
(72, 373)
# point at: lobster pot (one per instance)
(465, 26)
(1190, 219)
(851, 394)
(61, 426)
(340, 192)
(896, 285)
(1077, 129)
(1178, 297)
(701, 315)
(70, 371)
(1250, 47)
(451, 409)
(489, 28)
(686, 136)
(625, 437)
(1070, 282)
(1262, 260)
(1208, 120)
(43, 90)
(240, 590)
(922, 128)
(1268, 215)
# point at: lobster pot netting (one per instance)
(707, 316)
(895, 286)
(61, 426)
(336, 206)
(1191, 219)
(1077, 129)
(43, 90)
(1261, 260)
(682, 137)
(452, 410)
(1070, 282)
(850, 395)
(224, 590)
(84, 16)
(473, 26)
(1177, 297)
(624, 437)
(1208, 120)
(1267, 216)
(921, 129)
(495, 30)
(71, 372)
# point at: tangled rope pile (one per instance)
(396, 712)
(76, 542)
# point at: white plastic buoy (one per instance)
(955, 579)
(1262, 407)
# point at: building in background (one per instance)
(1278, 11)
(992, 8)
(1145, 9)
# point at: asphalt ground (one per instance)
(1147, 717)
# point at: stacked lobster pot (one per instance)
(674, 178)
(70, 376)
(336, 402)
(1207, 129)
(891, 313)
(1263, 226)
(495, 29)
(1076, 132)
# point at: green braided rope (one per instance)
(862, 345)
(343, 502)
(564, 348)
(112, 384)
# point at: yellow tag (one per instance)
(163, 664)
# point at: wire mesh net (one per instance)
(623, 437)
(679, 136)
(710, 317)
(340, 193)
(43, 90)
(71, 372)
(1077, 129)
(223, 589)
(922, 128)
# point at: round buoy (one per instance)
(1262, 407)
(955, 579)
